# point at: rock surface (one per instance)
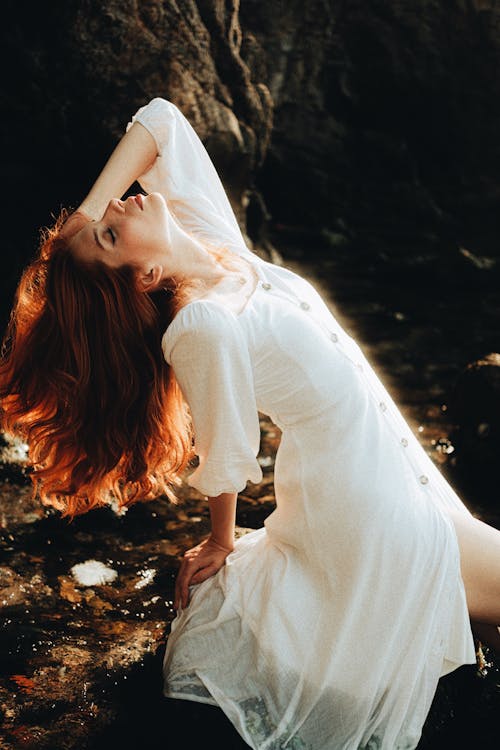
(385, 116)
(475, 407)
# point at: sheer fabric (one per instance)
(329, 628)
(226, 437)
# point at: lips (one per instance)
(139, 200)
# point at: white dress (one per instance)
(329, 628)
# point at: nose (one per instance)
(114, 207)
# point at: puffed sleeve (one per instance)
(209, 356)
(185, 175)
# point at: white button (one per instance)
(334, 337)
(404, 442)
(383, 406)
(424, 479)
(305, 306)
(266, 285)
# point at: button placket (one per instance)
(423, 478)
(404, 442)
(267, 286)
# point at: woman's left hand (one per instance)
(198, 564)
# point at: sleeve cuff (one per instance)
(234, 478)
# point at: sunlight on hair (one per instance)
(84, 384)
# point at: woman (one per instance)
(146, 322)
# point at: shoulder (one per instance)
(200, 322)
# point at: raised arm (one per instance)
(162, 151)
(134, 155)
(187, 178)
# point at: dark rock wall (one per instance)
(375, 121)
(386, 114)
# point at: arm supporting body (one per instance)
(204, 560)
(222, 516)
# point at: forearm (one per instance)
(134, 154)
(223, 518)
(204, 560)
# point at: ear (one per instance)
(150, 281)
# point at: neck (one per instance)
(191, 259)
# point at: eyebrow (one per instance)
(98, 243)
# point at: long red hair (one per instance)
(84, 383)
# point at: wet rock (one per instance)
(376, 117)
(476, 402)
(13, 455)
(475, 408)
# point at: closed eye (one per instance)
(111, 234)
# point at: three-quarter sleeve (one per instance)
(185, 175)
(209, 356)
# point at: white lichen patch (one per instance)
(115, 507)
(265, 461)
(14, 451)
(93, 573)
(146, 577)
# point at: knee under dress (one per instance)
(328, 628)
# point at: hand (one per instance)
(198, 564)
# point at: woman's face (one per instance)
(134, 232)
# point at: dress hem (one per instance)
(192, 697)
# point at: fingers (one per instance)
(189, 570)
(197, 565)
(204, 573)
(182, 587)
